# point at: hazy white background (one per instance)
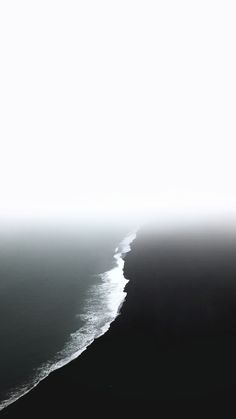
(117, 105)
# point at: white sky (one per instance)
(117, 104)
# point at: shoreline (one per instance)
(114, 277)
(165, 353)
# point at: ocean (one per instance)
(61, 286)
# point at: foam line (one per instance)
(102, 306)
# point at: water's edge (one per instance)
(111, 291)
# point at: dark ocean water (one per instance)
(60, 287)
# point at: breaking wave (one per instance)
(102, 306)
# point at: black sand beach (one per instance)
(171, 351)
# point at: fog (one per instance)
(117, 107)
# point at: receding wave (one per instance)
(102, 306)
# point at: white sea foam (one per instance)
(102, 306)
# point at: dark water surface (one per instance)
(53, 302)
